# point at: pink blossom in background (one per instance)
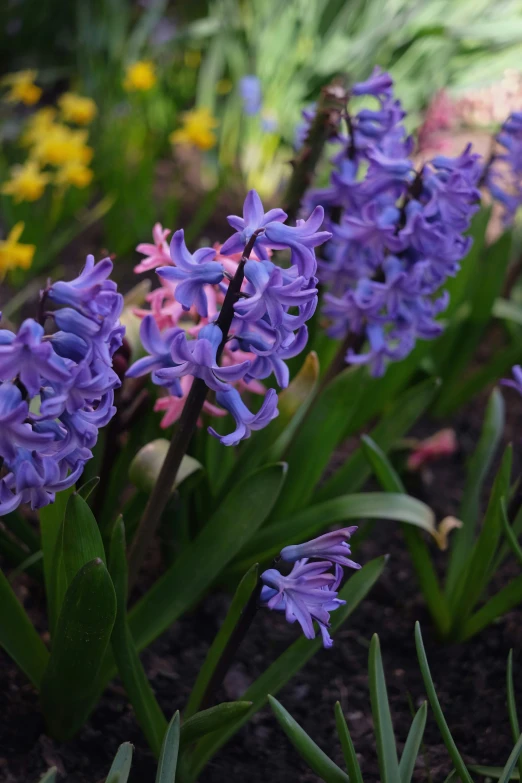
(157, 254)
(441, 444)
(440, 116)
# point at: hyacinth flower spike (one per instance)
(331, 546)
(158, 344)
(246, 421)
(254, 218)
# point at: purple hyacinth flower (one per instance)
(250, 91)
(31, 359)
(198, 358)
(158, 345)
(308, 593)
(332, 546)
(516, 382)
(271, 294)
(254, 218)
(301, 239)
(246, 421)
(272, 359)
(191, 273)
(90, 292)
(15, 432)
(379, 84)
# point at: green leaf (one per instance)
(401, 416)
(18, 636)
(86, 489)
(478, 570)
(168, 759)
(241, 597)
(148, 712)
(121, 766)
(81, 641)
(238, 517)
(311, 753)
(512, 705)
(78, 542)
(492, 772)
(210, 720)
(505, 600)
(146, 465)
(49, 776)
(511, 762)
(293, 659)
(508, 310)
(51, 518)
(413, 743)
(419, 552)
(383, 726)
(350, 756)
(311, 449)
(478, 469)
(510, 535)
(455, 756)
(316, 519)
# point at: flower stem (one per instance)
(330, 110)
(186, 426)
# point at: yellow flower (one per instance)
(13, 254)
(192, 58)
(196, 129)
(74, 173)
(59, 145)
(23, 89)
(140, 75)
(223, 86)
(38, 124)
(27, 182)
(77, 108)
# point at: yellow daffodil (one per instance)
(141, 75)
(59, 145)
(27, 182)
(22, 88)
(37, 125)
(14, 255)
(223, 86)
(77, 108)
(74, 173)
(196, 129)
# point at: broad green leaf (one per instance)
(350, 756)
(293, 659)
(510, 535)
(505, 600)
(82, 637)
(236, 520)
(512, 705)
(148, 712)
(78, 542)
(413, 743)
(168, 759)
(401, 416)
(121, 766)
(478, 469)
(51, 518)
(419, 552)
(320, 432)
(49, 776)
(455, 756)
(18, 636)
(207, 721)
(477, 572)
(146, 465)
(311, 753)
(382, 721)
(316, 519)
(241, 597)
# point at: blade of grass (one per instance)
(383, 726)
(350, 756)
(413, 743)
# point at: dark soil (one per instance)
(470, 677)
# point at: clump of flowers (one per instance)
(14, 254)
(22, 87)
(78, 109)
(57, 387)
(309, 592)
(140, 76)
(197, 129)
(503, 173)
(183, 332)
(398, 234)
